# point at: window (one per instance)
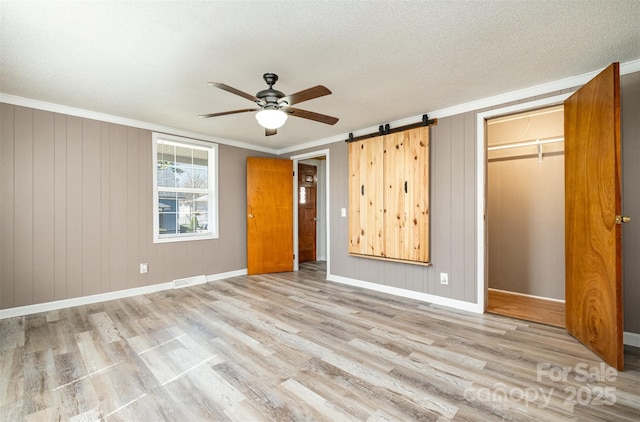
(185, 194)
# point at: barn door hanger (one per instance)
(386, 129)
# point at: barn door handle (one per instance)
(405, 186)
(362, 190)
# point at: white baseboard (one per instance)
(103, 297)
(436, 300)
(527, 295)
(632, 339)
(228, 274)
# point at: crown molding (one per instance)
(109, 118)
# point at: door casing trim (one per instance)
(481, 186)
(306, 156)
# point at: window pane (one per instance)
(184, 155)
(201, 178)
(187, 213)
(203, 222)
(166, 165)
(167, 208)
(166, 153)
(303, 195)
(202, 203)
(166, 176)
(184, 175)
(200, 158)
(184, 167)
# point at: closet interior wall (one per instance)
(525, 207)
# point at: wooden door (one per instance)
(593, 248)
(307, 212)
(366, 197)
(269, 215)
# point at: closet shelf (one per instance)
(537, 142)
(526, 143)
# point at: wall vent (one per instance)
(189, 281)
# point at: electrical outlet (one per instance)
(144, 267)
(444, 278)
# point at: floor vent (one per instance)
(189, 281)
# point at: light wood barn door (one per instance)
(406, 200)
(269, 215)
(416, 163)
(395, 213)
(593, 244)
(366, 197)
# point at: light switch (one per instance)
(343, 212)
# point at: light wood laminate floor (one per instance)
(293, 347)
(527, 308)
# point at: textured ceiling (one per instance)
(383, 60)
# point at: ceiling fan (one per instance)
(274, 107)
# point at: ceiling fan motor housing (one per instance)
(270, 96)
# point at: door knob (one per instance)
(315, 219)
(622, 219)
(250, 215)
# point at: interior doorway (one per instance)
(307, 211)
(525, 215)
(311, 226)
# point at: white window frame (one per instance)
(212, 191)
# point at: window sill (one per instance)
(171, 239)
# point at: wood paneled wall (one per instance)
(452, 218)
(76, 210)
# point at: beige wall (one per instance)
(76, 212)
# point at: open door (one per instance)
(593, 233)
(269, 215)
(307, 212)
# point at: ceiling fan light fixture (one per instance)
(271, 119)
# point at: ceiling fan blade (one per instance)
(232, 90)
(322, 118)
(306, 95)
(269, 132)
(244, 110)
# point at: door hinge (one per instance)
(294, 256)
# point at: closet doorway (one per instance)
(525, 215)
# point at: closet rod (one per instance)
(526, 144)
